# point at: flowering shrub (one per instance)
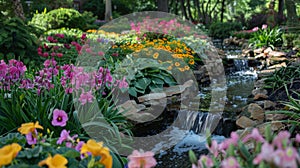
(251, 151)
(266, 37)
(52, 151)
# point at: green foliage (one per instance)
(282, 76)
(16, 41)
(291, 40)
(63, 17)
(147, 75)
(223, 30)
(291, 111)
(270, 37)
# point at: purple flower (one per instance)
(64, 135)
(31, 138)
(297, 138)
(79, 145)
(60, 118)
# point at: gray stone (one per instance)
(259, 91)
(256, 112)
(277, 66)
(152, 96)
(245, 122)
(276, 54)
(269, 104)
(259, 83)
(275, 126)
(275, 117)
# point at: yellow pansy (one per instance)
(58, 161)
(29, 127)
(97, 149)
(8, 153)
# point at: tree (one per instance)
(18, 9)
(162, 5)
(108, 10)
(292, 19)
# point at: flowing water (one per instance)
(239, 84)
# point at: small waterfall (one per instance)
(241, 64)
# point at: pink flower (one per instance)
(86, 97)
(79, 146)
(100, 53)
(254, 135)
(286, 158)
(204, 161)
(60, 55)
(255, 29)
(60, 118)
(214, 148)
(234, 137)
(230, 162)
(281, 138)
(297, 138)
(31, 138)
(266, 153)
(264, 26)
(141, 159)
(83, 36)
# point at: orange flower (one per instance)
(58, 161)
(29, 127)
(8, 153)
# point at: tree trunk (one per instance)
(280, 11)
(108, 10)
(184, 10)
(189, 10)
(162, 5)
(18, 9)
(222, 10)
(197, 6)
(292, 19)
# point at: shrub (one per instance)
(63, 17)
(291, 39)
(223, 30)
(16, 41)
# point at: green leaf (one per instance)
(132, 92)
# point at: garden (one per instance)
(121, 84)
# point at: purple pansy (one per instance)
(60, 118)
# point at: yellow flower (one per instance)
(192, 62)
(29, 127)
(155, 55)
(169, 68)
(97, 149)
(181, 69)
(58, 161)
(177, 64)
(8, 153)
(186, 67)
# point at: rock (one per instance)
(269, 104)
(245, 122)
(259, 83)
(258, 51)
(243, 132)
(277, 66)
(275, 117)
(275, 126)
(260, 56)
(279, 59)
(259, 91)
(130, 107)
(256, 112)
(276, 54)
(152, 96)
(265, 73)
(267, 51)
(260, 96)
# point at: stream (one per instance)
(239, 84)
